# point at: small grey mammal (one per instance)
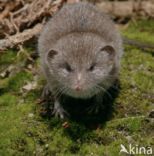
(80, 51)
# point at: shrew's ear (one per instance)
(109, 50)
(50, 55)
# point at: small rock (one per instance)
(30, 66)
(129, 138)
(30, 86)
(30, 115)
(46, 145)
(7, 72)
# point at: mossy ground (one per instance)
(24, 132)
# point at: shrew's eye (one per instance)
(68, 67)
(92, 67)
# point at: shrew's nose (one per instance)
(77, 88)
(78, 85)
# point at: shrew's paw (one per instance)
(59, 111)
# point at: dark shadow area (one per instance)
(77, 108)
(2, 91)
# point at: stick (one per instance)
(20, 38)
(138, 44)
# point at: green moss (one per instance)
(141, 30)
(7, 99)
(7, 57)
(12, 125)
(16, 82)
(136, 80)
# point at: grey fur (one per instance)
(76, 35)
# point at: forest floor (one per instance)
(23, 131)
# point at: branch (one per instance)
(20, 38)
(139, 44)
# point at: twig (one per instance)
(9, 7)
(20, 38)
(138, 44)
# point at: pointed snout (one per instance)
(78, 82)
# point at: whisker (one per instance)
(59, 92)
(101, 88)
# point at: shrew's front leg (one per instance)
(59, 111)
(57, 108)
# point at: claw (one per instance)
(59, 111)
